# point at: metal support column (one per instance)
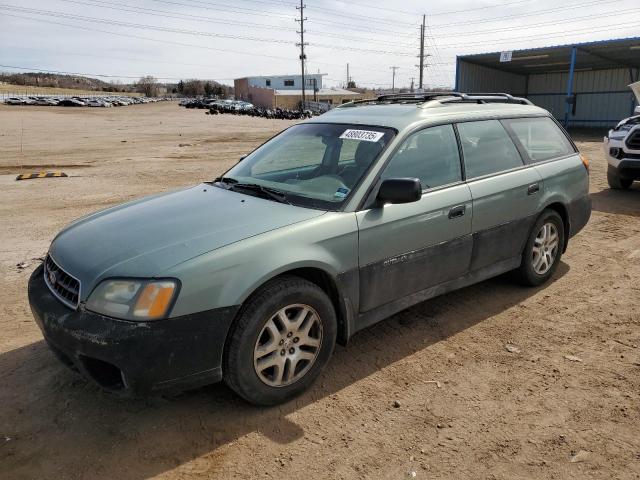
(567, 106)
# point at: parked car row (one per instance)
(239, 107)
(78, 101)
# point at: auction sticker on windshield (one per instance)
(365, 135)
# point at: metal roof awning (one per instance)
(620, 53)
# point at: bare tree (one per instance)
(149, 86)
(193, 88)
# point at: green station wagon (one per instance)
(332, 225)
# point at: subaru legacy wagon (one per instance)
(332, 225)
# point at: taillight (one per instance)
(585, 161)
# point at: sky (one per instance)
(226, 39)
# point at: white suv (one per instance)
(622, 149)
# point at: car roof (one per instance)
(402, 116)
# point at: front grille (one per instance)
(633, 141)
(61, 284)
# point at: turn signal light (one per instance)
(154, 300)
(585, 162)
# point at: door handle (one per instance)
(457, 211)
(533, 188)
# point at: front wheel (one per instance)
(284, 336)
(543, 249)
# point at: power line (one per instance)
(520, 15)
(170, 42)
(326, 11)
(200, 18)
(567, 33)
(466, 10)
(332, 23)
(187, 31)
(536, 25)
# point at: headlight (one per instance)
(133, 299)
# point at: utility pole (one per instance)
(422, 51)
(348, 79)
(412, 79)
(393, 79)
(303, 57)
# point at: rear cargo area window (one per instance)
(540, 137)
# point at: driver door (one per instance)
(407, 248)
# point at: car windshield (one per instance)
(313, 164)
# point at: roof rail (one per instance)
(493, 98)
(441, 97)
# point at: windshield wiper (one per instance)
(226, 180)
(274, 194)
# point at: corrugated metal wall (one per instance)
(477, 78)
(603, 97)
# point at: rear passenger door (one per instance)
(406, 248)
(505, 193)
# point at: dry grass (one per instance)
(9, 89)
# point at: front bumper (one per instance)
(625, 164)
(628, 168)
(133, 358)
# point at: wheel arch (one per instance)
(329, 283)
(562, 210)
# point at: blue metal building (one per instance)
(582, 84)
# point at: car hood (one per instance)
(145, 237)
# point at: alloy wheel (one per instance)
(545, 248)
(288, 345)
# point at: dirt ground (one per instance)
(494, 414)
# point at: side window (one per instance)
(540, 137)
(430, 155)
(487, 148)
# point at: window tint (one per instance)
(430, 155)
(487, 148)
(308, 164)
(540, 137)
(301, 151)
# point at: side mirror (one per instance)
(399, 190)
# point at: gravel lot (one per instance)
(377, 411)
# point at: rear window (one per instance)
(487, 148)
(540, 137)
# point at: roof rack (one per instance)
(441, 97)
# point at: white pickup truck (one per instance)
(622, 148)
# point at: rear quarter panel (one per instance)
(566, 181)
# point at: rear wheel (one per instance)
(543, 249)
(614, 180)
(283, 338)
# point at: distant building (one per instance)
(285, 91)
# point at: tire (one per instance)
(539, 265)
(268, 318)
(617, 183)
